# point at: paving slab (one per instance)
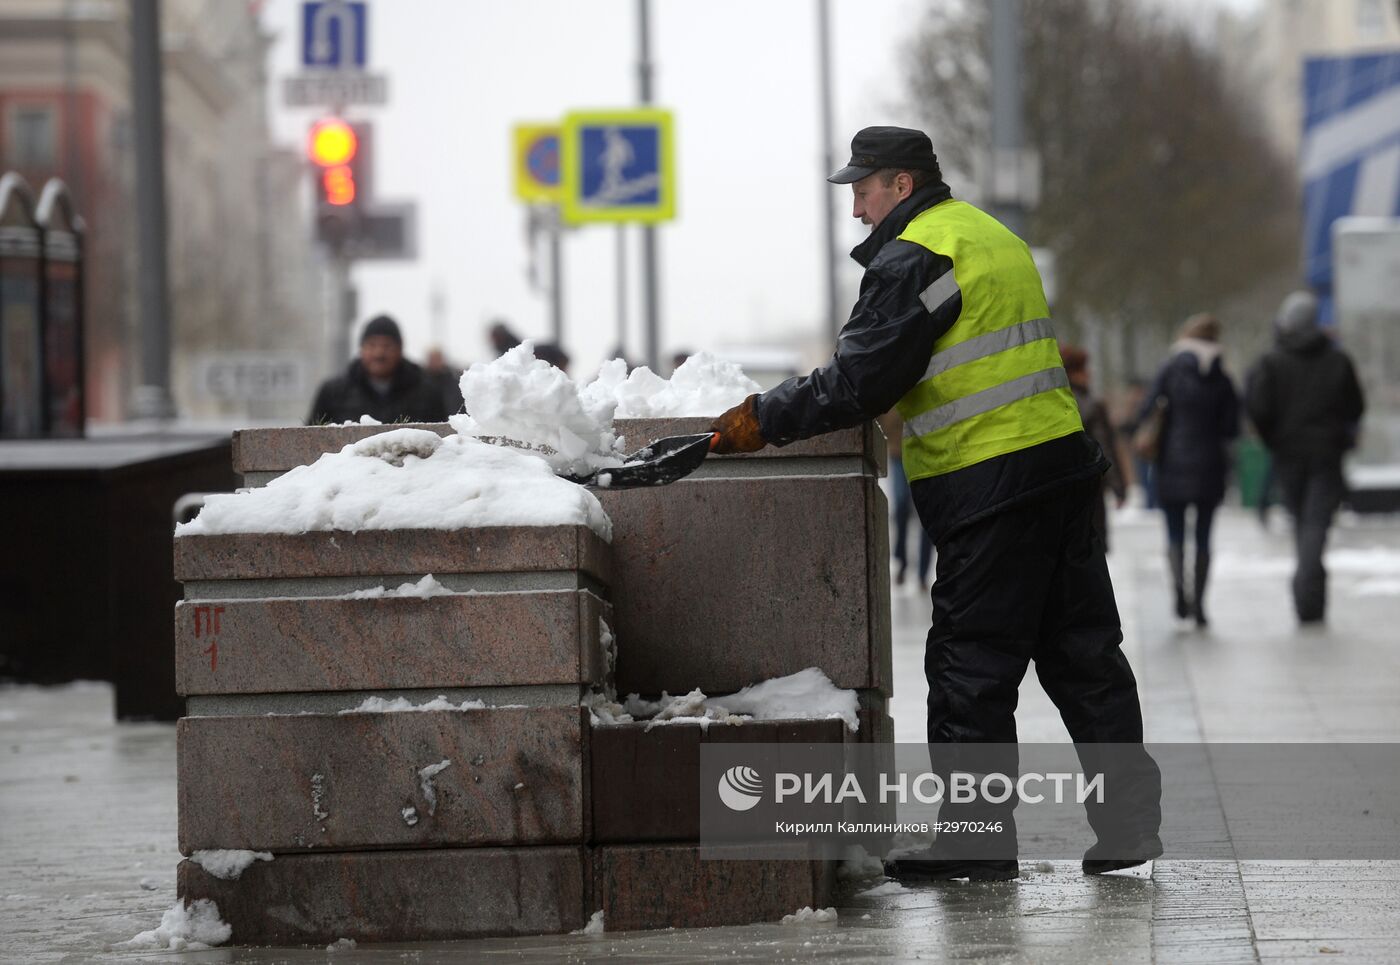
(328, 644)
(316, 782)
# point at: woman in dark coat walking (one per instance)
(1202, 417)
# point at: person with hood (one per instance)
(1306, 403)
(381, 384)
(951, 327)
(1202, 417)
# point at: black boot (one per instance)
(1176, 558)
(1102, 858)
(1202, 572)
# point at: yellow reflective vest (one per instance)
(995, 383)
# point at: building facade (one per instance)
(241, 268)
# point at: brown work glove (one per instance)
(738, 429)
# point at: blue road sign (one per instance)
(334, 34)
(1349, 160)
(618, 166)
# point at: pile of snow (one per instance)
(341, 945)
(701, 386)
(406, 479)
(423, 589)
(807, 694)
(804, 915)
(595, 925)
(186, 927)
(228, 864)
(425, 783)
(386, 705)
(527, 400)
(857, 864)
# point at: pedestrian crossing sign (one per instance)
(618, 166)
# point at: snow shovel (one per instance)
(658, 464)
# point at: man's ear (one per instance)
(905, 181)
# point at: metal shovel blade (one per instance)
(658, 464)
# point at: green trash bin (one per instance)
(1252, 467)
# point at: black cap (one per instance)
(381, 325)
(876, 148)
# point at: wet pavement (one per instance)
(87, 806)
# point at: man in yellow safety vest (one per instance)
(952, 328)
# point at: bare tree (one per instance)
(1160, 193)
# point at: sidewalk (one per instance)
(87, 807)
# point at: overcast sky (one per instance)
(741, 264)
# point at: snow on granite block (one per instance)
(492, 549)
(389, 642)
(720, 583)
(277, 450)
(670, 886)
(399, 896)
(318, 782)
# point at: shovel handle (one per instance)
(714, 440)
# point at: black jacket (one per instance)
(1303, 397)
(1203, 415)
(883, 352)
(412, 397)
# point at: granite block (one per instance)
(398, 896)
(264, 451)
(725, 582)
(318, 782)
(280, 449)
(670, 886)
(330, 644)
(488, 549)
(646, 782)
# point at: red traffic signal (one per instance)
(333, 143)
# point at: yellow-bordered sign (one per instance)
(537, 162)
(618, 166)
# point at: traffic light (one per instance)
(339, 154)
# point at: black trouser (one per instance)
(1312, 490)
(1032, 583)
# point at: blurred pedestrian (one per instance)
(1304, 398)
(951, 325)
(380, 383)
(446, 376)
(893, 426)
(502, 338)
(1202, 417)
(1143, 470)
(552, 353)
(1097, 423)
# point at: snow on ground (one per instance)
(228, 864)
(186, 927)
(407, 479)
(804, 915)
(594, 926)
(807, 694)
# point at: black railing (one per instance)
(41, 312)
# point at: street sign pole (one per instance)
(651, 311)
(556, 271)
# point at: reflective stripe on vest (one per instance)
(995, 383)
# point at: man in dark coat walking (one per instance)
(1304, 399)
(952, 328)
(381, 384)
